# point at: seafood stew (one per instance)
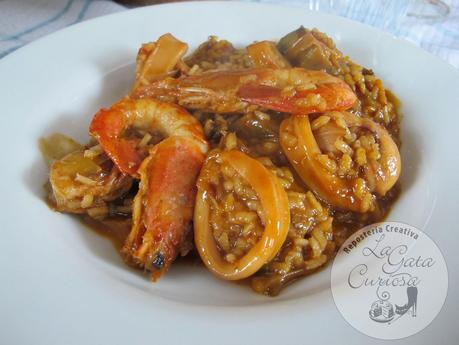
(261, 159)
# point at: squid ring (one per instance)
(274, 201)
(303, 150)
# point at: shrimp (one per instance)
(124, 129)
(290, 90)
(163, 206)
(83, 181)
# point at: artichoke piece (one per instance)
(303, 49)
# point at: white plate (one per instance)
(62, 284)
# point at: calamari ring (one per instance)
(303, 151)
(274, 201)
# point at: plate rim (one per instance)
(34, 44)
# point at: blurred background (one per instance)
(430, 24)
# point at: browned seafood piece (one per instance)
(84, 181)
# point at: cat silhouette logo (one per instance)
(379, 275)
(382, 310)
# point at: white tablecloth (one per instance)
(22, 21)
